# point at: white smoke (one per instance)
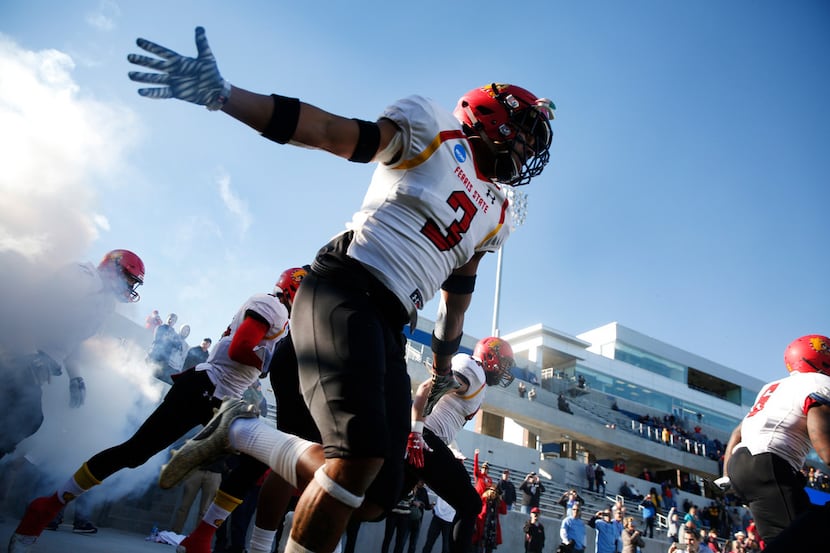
(121, 393)
(58, 146)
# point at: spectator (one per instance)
(607, 533)
(521, 389)
(646, 475)
(179, 351)
(488, 527)
(631, 537)
(531, 395)
(619, 466)
(531, 489)
(691, 544)
(628, 493)
(534, 533)
(673, 524)
(711, 541)
(590, 475)
(581, 382)
(572, 530)
(197, 354)
(165, 340)
(599, 477)
(562, 404)
(153, 320)
(440, 525)
(568, 499)
(420, 503)
(649, 515)
(397, 524)
(507, 489)
(204, 480)
(482, 474)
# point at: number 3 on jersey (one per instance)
(765, 395)
(457, 200)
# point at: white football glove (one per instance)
(196, 80)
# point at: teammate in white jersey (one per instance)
(767, 450)
(436, 205)
(72, 308)
(428, 453)
(232, 366)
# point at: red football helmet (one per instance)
(289, 282)
(515, 124)
(496, 357)
(124, 271)
(808, 354)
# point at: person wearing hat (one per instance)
(607, 533)
(507, 489)
(534, 532)
(482, 474)
(531, 490)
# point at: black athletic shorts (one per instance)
(348, 335)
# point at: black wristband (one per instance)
(445, 347)
(284, 119)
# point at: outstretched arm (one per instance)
(198, 80)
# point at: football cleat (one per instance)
(210, 443)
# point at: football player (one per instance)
(235, 362)
(436, 204)
(79, 299)
(766, 451)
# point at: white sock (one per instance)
(293, 547)
(69, 491)
(262, 540)
(215, 515)
(278, 450)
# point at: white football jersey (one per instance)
(231, 377)
(453, 410)
(777, 422)
(430, 211)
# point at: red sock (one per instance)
(39, 513)
(199, 540)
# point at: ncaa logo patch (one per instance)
(460, 153)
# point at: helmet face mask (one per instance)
(496, 358)
(124, 272)
(514, 124)
(808, 354)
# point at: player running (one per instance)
(435, 206)
(234, 363)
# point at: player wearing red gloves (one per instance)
(428, 454)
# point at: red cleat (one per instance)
(199, 540)
(39, 514)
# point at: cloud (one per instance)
(57, 145)
(237, 207)
(104, 17)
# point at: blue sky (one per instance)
(683, 198)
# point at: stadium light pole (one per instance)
(518, 209)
